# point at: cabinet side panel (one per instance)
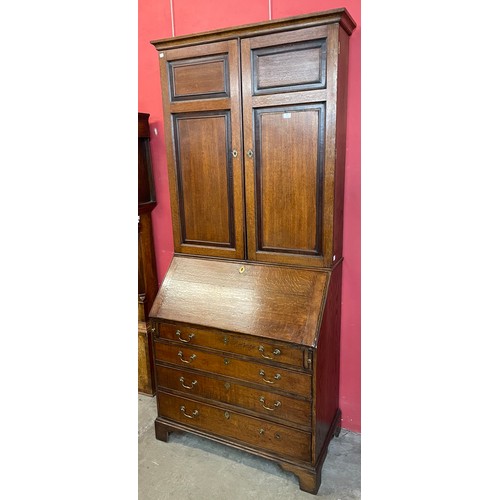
(328, 363)
(340, 140)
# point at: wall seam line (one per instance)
(172, 16)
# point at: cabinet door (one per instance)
(201, 97)
(289, 83)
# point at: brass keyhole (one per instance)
(241, 269)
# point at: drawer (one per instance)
(269, 376)
(257, 433)
(267, 403)
(233, 342)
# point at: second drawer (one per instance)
(225, 391)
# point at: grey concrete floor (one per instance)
(191, 467)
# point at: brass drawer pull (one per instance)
(276, 352)
(277, 404)
(192, 357)
(193, 383)
(261, 431)
(262, 373)
(190, 336)
(195, 413)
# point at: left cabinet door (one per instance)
(201, 103)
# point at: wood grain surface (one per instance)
(258, 348)
(197, 384)
(205, 178)
(276, 377)
(273, 302)
(256, 432)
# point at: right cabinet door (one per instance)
(289, 88)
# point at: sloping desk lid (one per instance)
(280, 303)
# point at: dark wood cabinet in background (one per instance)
(247, 320)
(147, 279)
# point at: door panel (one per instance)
(201, 96)
(289, 174)
(290, 67)
(199, 78)
(204, 178)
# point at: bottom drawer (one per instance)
(255, 432)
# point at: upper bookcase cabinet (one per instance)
(255, 127)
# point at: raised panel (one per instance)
(204, 176)
(199, 78)
(290, 67)
(289, 163)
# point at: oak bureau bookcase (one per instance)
(247, 320)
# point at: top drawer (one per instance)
(260, 349)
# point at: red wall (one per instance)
(155, 22)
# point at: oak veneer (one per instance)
(247, 320)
